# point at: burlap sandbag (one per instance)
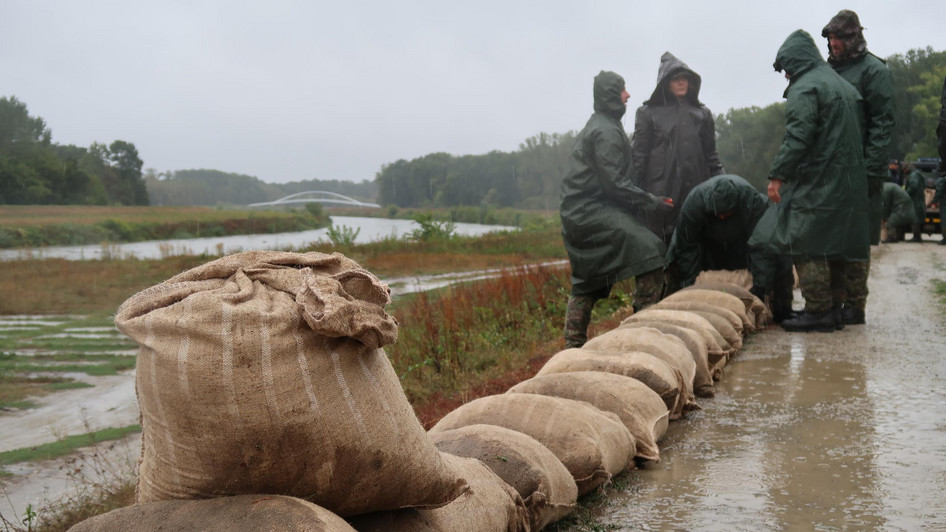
(659, 376)
(756, 309)
(263, 372)
(222, 514)
(666, 347)
(718, 349)
(640, 408)
(719, 299)
(724, 321)
(592, 444)
(490, 505)
(703, 379)
(545, 485)
(742, 278)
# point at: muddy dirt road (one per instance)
(839, 431)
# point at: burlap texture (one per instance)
(703, 379)
(719, 299)
(659, 376)
(641, 410)
(716, 346)
(755, 307)
(742, 278)
(222, 514)
(545, 485)
(490, 505)
(263, 372)
(592, 444)
(724, 321)
(666, 347)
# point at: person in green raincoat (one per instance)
(819, 181)
(716, 221)
(848, 55)
(916, 189)
(600, 211)
(674, 142)
(899, 213)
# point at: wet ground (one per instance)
(839, 431)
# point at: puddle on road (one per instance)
(801, 435)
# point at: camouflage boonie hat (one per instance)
(847, 27)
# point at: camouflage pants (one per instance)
(849, 284)
(648, 289)
(820, 282)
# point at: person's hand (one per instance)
(775, 186)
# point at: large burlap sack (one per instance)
(742, 278)
(703, 379)
(641, 410)
(719, 299)
(545, 485)
(490, 505)
(718, 349)
(659, 376)
(666, 347)
(222, 514)
(263, 372)
(592, 444)
(756, 309)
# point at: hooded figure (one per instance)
(818, 181)
(898, 211)
(604, 240)
(916, 189)
(674, 143)
(713, 230)
(847, 53)
(941, 131)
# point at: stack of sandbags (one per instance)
(756, 309)
(490, 505)
(546, 487)
(592, 445)
(656, 374)
(717, 348)
(640, 409)
(263, 372)
(741, 278)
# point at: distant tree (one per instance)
(918, 84)
(129, 188)
(748, 139)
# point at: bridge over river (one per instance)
(315, 196)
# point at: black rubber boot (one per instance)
(852, 316)
(812, 321)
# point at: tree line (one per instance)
(35, 170)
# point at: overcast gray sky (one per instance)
(292, 90)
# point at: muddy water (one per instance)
(840, 431)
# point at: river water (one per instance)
(840, 431)
(369, 230)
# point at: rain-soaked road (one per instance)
(840, 431)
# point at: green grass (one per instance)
(65, 446)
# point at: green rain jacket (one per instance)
(599, 202)
(823, 212)
(674, 143)
(941, 131)
(916, 190)
(703, 241)
(898, 206)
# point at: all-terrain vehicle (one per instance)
(928, 167)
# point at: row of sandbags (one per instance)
(266, 397)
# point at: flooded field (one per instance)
(839, 431)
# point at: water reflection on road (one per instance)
(838, 431)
